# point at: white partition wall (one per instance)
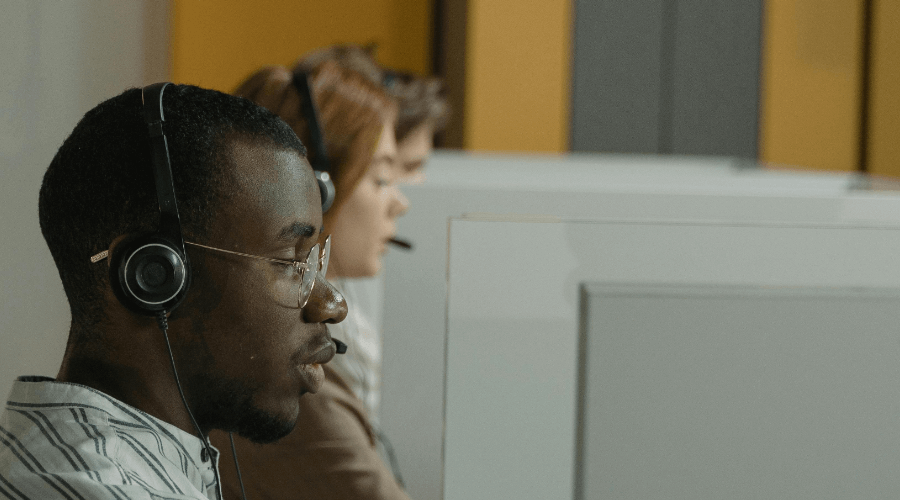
(511, 364)
(622, 359)
(639, 188)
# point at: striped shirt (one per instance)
(71, 442)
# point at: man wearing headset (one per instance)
(236, 343)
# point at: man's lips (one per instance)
(312, 375)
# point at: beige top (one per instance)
(360, 367)
(330, 455)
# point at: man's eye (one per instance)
(382, 182)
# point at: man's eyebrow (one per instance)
(296, 230)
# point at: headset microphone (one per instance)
(401, 243)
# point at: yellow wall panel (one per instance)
(810, 98)
(518, 75)
(884, 90)
(217, 44)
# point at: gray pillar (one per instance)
(666, 76)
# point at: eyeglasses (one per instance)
(316, 263)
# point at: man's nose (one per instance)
(326, 304)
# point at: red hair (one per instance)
(352, 111)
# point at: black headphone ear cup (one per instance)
(326, 189)
(149, 275)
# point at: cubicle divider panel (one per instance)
(695, 392)
(751, 331)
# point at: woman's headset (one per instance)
(320, 163)
(151, 273)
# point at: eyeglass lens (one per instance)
(316, 263)
(326, 255)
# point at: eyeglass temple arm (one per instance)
(241, 254)
(104, 254)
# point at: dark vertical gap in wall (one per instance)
(759, 77)
(437, 52)
(570, 111)
(581, 395)
(864, 84)
(451, 60)
(573, 68)
(437, 37)
(666, 63)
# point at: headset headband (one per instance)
(311, 115)
(317, 138)
(169, 220)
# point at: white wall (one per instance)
(59, 59)
(581, 187)
(702, 360)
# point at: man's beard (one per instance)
(222, 403)
(228, 405)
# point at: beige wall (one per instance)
(884, 109)
(810, 83)
(517, 55)
(218, 47)
(518, 75)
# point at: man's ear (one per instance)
(108, 295)
(118, 242)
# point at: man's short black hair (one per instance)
(100, 184)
